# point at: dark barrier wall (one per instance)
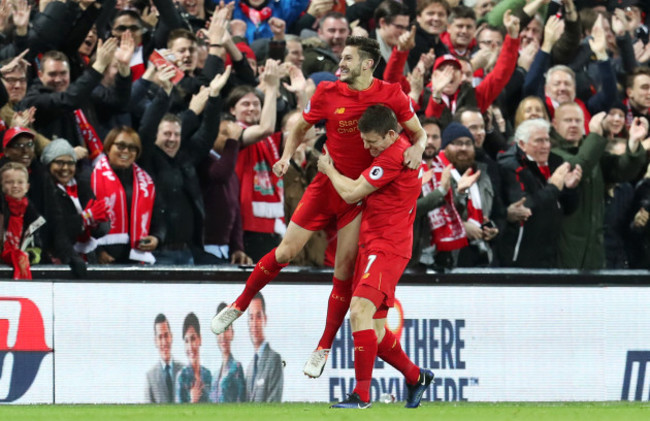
(173, 274)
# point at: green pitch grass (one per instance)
(628, 411)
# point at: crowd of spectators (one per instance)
(149, 128)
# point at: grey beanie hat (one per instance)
(57, 148)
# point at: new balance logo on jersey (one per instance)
(340, 110)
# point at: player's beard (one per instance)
(352, 75)
(461, 160)
(429, 153)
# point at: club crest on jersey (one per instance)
(340, 110)
(376, 173)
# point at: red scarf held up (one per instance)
(125, 230)
(89, 135)
(447, 229)
(474, 206)
(256, 16)
(260, 185)
(11, 252)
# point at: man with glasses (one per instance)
(14, 78)
(128, 20)
(392, 20)
(476, 206)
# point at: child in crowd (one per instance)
(20, 221)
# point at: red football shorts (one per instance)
(320, 204)
(376, 275)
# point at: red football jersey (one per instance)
(389, 212)
(342, 107)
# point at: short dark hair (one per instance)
(368, 48)
(171, 118)
(260, 297)
(53, 55)
(238, 93)
(191, 321)
(430, 120)
(180, 33)
(458, 115)
(389, 9)
(331, 15)
(461, 12)
(379, 119)
(128, 12)
(115, 132)
(638, 71)
(423, 4)
(160, 318)
(492, 28)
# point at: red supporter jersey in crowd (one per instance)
(342, 107)
(389, 212)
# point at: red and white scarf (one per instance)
(474, 208)
(89, 135)
(256, 16)
(137, 64)
(447, 229)
(11, 252)
(106, 185)
(265, 189)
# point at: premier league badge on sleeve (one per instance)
(376, 173)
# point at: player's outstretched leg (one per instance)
(417, 379)
(265, 271)
(337, 308)
(339, 299)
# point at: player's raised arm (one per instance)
(350, 190)
(296, 135)
(418, 137)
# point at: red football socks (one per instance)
(365, 352)
(337, 307)
(390, 350)
(265, 271)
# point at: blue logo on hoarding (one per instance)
(27, 352)
(634, 358)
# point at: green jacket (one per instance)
(581, 244)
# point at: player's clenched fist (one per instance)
(281, 167)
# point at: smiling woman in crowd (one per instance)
(130, 195)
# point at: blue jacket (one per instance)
(287, 10)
